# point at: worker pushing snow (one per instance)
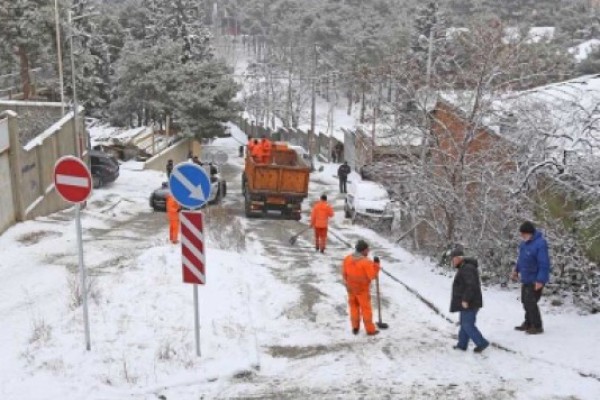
(358, 272)
(319, 220)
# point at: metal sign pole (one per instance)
(84, 296)
(197, 320)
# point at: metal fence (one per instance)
(325, 145)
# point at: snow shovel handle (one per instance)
(378, 299)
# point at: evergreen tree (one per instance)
(167, 69)
(26, 29)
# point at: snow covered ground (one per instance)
(274, 316)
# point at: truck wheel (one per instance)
(96, 181)
(347, 212)
(224, 189)
(247, 201)
(243, 184)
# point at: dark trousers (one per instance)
(530, 298)
(343, 184)
(468, 330)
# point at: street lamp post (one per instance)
(59, 55)
(73, 82)
(74, 88)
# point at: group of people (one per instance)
(260, 151)
(532, 268)
(358, 270)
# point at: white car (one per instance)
(369, 200)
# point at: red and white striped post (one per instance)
(193, 256)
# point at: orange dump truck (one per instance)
(277, 187)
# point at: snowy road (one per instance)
(274, 317)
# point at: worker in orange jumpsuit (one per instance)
(173, 209)
(319, 221)
(358, 272)
(256, 152)
(267, 150)
(250, 145)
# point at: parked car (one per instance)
(105, 168)
(158, 198)
(369, 201)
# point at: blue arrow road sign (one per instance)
(190, 185)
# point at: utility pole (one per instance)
(313, 109)
(59, 55)
(73, 82)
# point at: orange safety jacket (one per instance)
(172, 207)
(320, 214)
(256, 150)
(267, 147)
(358, 272)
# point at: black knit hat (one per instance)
(361, 246)
(457, 251)
(527, 227)
(324, 197)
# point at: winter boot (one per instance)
(374, 333)
(523, 327)
(480, 349)
(355, 331)
(459, 348)
(534, 331)
(322, 251)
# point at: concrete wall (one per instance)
(178, 153)
(30, 168)
(34, 117)
(7, 208)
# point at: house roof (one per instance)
(583, 50)
(567, 114)
(536, 34)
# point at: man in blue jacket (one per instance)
(533, 266)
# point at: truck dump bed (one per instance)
(279, 185)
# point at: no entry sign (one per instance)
(192, 247)
(72, 179)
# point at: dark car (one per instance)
(158, 198)
(105, 169)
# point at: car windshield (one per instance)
(372, 193)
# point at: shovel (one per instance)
(296, 236)
(380, 324)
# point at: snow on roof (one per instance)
(406, 135)
(539, 34)
(106, 133)
(582, 51)
(368, 190)
(567, 114)
(454, 32)
(536, 34)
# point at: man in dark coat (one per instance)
(169, 168)
(343, 172)
(467, 299)
(533, 266)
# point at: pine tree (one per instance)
(167, 69)
(26, 28)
